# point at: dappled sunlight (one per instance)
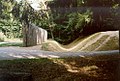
(47, 56)
(14, 40)
(53, 56)
(16, 56)
(42, 55)
(90, 70)
(51, 69)
(67, 66)
(28, 56)
(72, 67)
(59, 40)
(22, 55)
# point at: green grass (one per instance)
(45, 69)
(11, 44)
(42, 69)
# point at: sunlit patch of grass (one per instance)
(13, 39)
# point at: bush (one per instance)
(68, 26)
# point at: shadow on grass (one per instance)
(65, 69)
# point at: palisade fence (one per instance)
(33, 35)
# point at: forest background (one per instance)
(65, 20)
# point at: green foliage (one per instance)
(69, 26)
(106, 15)
(61, 27)
(8, 25)
(60, 20)
(114, 18)
(65, 25)
(78, 20)
(100, 3)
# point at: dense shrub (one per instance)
(106, 15)
(10, 26)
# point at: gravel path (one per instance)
(7, 53)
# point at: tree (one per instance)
(68, 19)
(106, 15)
(8, 25)
(57, 19)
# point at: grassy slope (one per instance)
(97, 41)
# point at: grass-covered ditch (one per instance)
(63, 69)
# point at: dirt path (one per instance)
(35, 52)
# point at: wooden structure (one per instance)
(33, 35)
